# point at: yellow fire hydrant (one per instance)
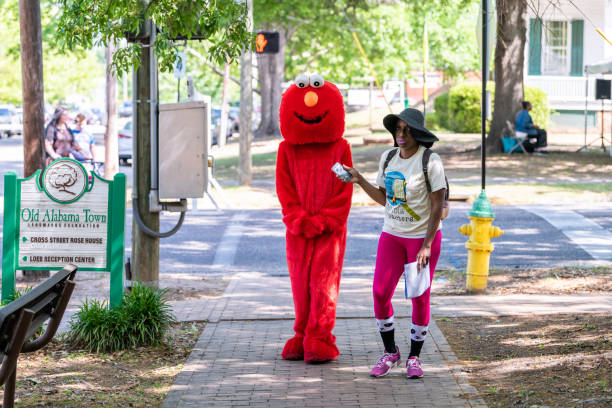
(480, 231)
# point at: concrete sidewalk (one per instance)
(236, 361)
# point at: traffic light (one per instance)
(266, 42)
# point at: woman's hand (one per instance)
(354, 173)
(422, 257)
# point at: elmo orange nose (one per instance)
(311, 99)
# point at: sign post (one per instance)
(67, 216)
(179, 73)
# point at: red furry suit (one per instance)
(315, 209)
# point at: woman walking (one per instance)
(411, 230)
(59, 139)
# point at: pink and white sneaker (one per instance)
(385, 363)
(413, 367)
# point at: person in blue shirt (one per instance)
(85, 141)
(536, 136)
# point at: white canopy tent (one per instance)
(601, 68)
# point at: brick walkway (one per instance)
(236, 361)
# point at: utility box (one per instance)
(183, 149)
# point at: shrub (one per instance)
(539, 100)
(148, 314)
(142, 319)
(464, 108)
(441, 109)
(16, 295)
(431, 121)
(459, 109)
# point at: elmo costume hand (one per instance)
(303, 224)
(315, 208)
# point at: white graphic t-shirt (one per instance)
(408, 205)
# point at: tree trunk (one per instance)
(224, 108)
(111, 157)
(271, 69)
(509, 61)
(32, 86)
(145, 249)
(33, 95)
(245, 166)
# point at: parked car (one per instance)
(234, 115)
(126, 109)
(9, 121)
(93, 115)
(99, 116)
(215, 124)
(125, 143)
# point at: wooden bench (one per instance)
(21, 319)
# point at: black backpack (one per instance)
(426, 155)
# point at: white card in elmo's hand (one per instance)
(416, 283)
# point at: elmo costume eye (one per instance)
(301, 81)
(316, 81)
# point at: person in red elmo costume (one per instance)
(315, 208)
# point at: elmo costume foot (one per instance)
(319, 351)
(294, 349)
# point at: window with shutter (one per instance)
(535, 47)
(577, 47)
(556, 48)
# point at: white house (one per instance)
(560, 42)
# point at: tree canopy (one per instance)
(89, 23)
(391, 33)
(70, 73)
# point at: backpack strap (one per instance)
(426, 155)
(390, 155)
(425, 162)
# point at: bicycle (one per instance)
(94, 167)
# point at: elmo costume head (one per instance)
(311, 111)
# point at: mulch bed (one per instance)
(562, 360)
(566, 280)
(59, 376)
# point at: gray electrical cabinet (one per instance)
(183, 149)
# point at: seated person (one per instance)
(536, 137)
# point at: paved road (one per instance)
(529, 240)
(221, 242)
(213, 242)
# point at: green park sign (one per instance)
(67, 216)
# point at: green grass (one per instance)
(264, 165)
(595, 188)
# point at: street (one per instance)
(256, 242)
(226, 242)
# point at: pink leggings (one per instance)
(393, 253)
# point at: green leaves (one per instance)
(89, 23)
(459, 109)
(391, 33)
(142, 320)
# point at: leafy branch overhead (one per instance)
(89, 23)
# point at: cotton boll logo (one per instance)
(63, 176)
(64, 180)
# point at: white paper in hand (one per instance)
(416, 283)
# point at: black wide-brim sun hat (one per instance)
(415, 121)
